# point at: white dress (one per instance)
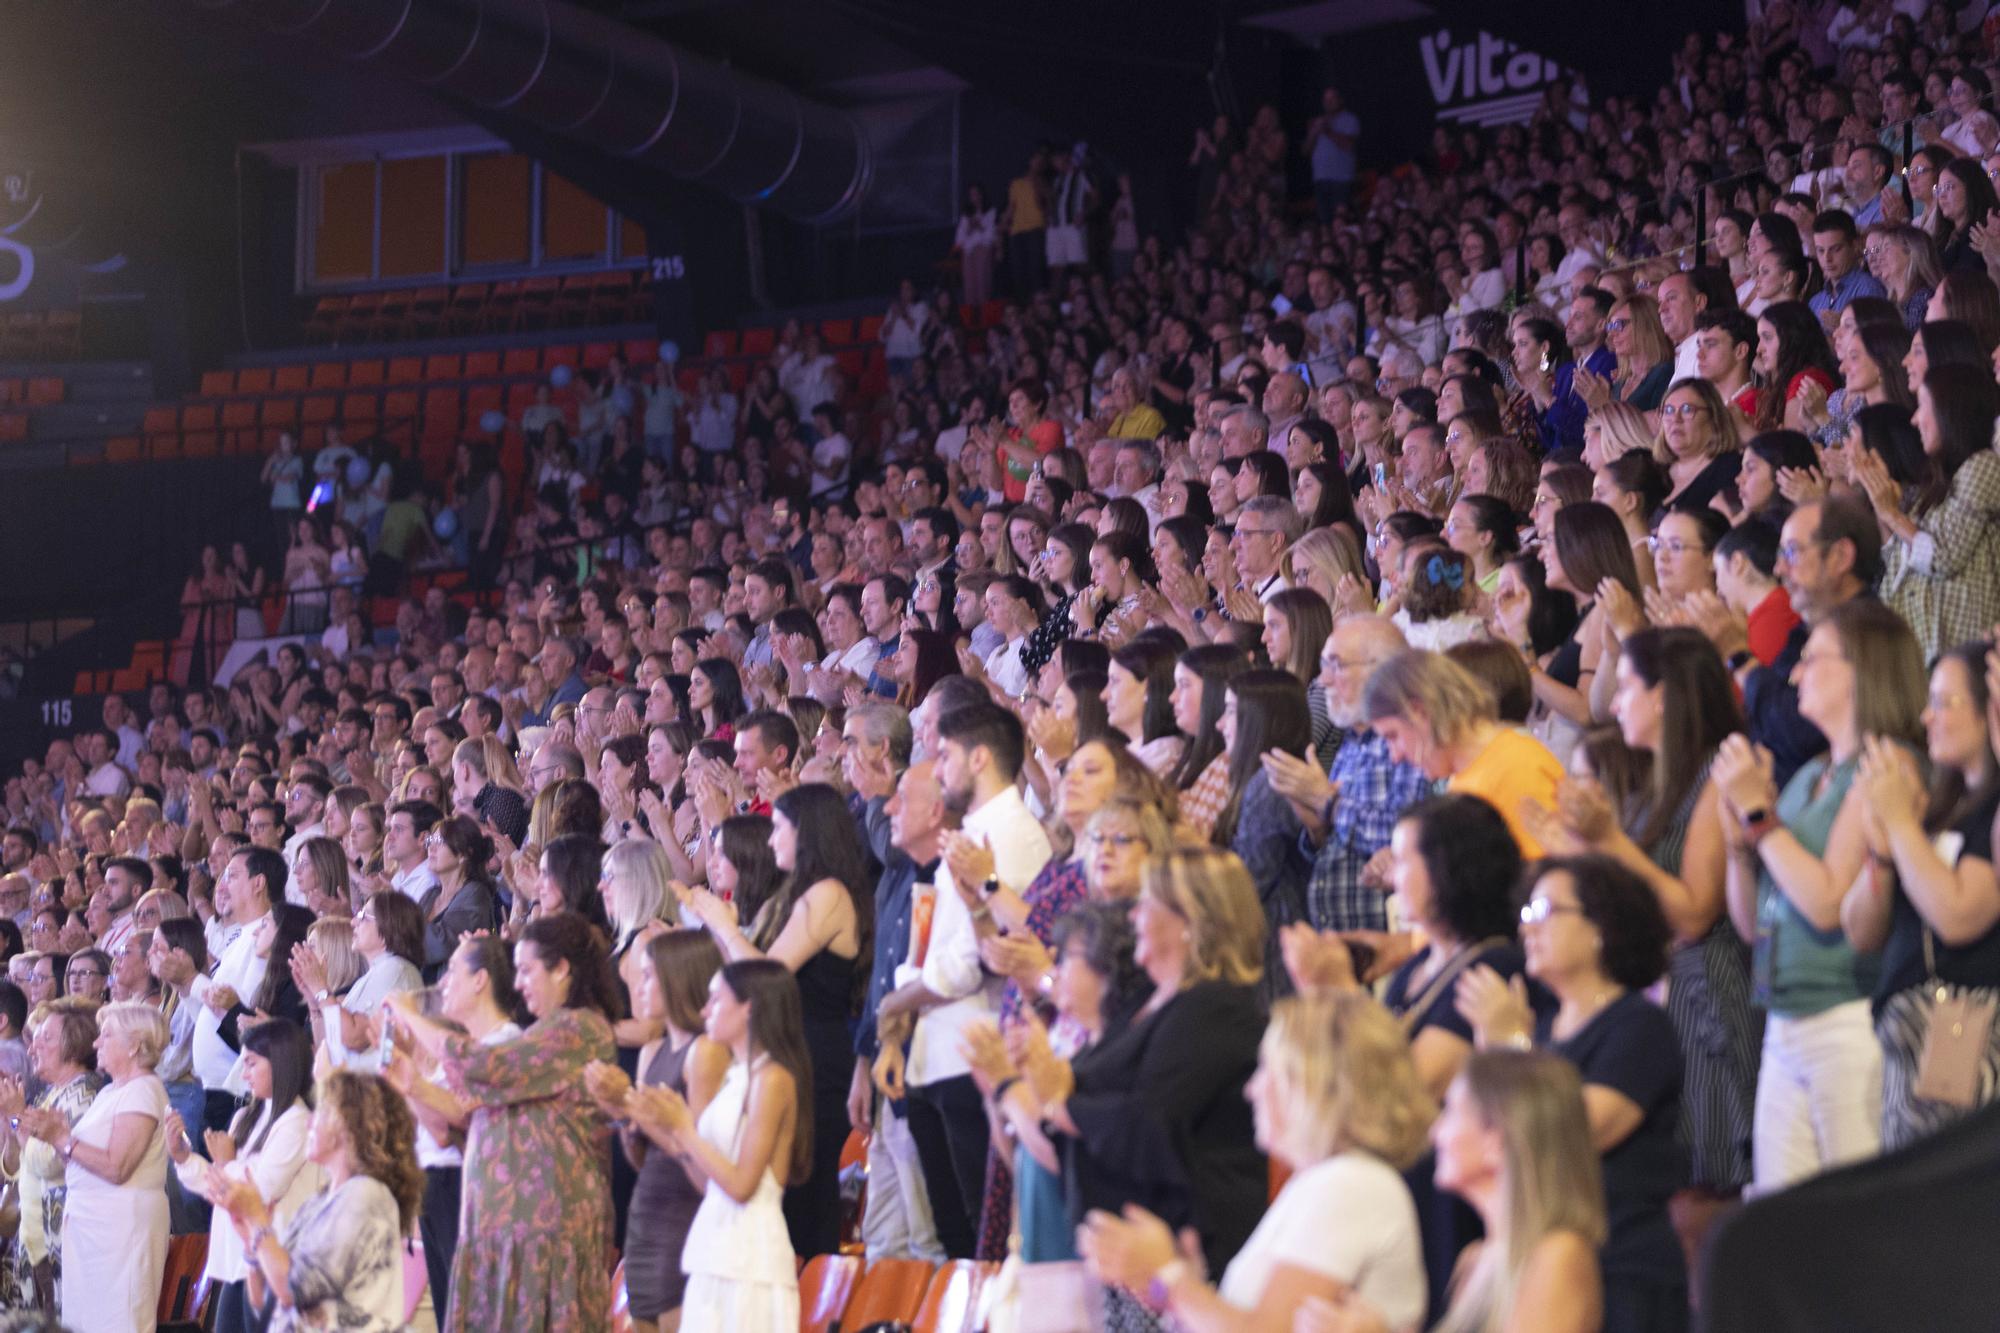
(742, 1274)
(114, 1241)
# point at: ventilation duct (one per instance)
(603, 85)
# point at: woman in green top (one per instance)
(1793, 856)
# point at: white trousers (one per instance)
(1819, 1095)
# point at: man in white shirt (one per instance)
(118, 721)
(305, 811)
(254, 879)
(808, 376)
(125, 879)
(1001, 847)
(99, 750)
(971, 413)
(403, 851)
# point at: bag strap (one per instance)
(1445, 976)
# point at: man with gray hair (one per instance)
(1138, 475)
(1285, 405)
(1266, 527)
(1349, 813)
(1245, 430)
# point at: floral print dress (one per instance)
(535, 1228)
(43, 1193)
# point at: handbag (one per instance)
(1956, 1037)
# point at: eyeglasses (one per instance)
(1618, 325)
(1790, 552)
(1682, 409)
(1673, 546)
(78, 973)
(1537, 910)
(1119, 840)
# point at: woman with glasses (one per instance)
(1793, 856)
(1905, 260)
(1965, 199)
(1699, 445)
(88, 976)
(1645, 358)
(1593, 934)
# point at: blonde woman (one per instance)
(1328, 561)
(640, 903)
(1614, 430)
(1513, 1141)
(1336, 1101)
(1645, 358)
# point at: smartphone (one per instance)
(388, 1044)
(1381, 475)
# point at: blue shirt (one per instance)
(1374, 792)
(1837, 295)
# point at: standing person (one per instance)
(253, 879)
(114, 1235)
(676, 970)
(817, 924)
(338, 1264)
(64, 1060)
(477, 993)
(1000, 845)
(1794, 855)
(742, 1272)
(267, 1142)
(1024, 219)
(284, 472)
(977, 238)
(536, 1220)
(1070, 200)
(1330, 145)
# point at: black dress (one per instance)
(1630, 1047)
(1162, 1121)
(663, 1206)
(826, 1000)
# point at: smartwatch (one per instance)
(1741, 658)
(990, 887)
(1757, 823)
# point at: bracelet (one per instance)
(1003, 1087)
(1159, 1292)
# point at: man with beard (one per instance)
(1000, 849)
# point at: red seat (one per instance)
(719, 344)
(326, 315)
(468, 301)
(361, 374)
(406, 369)
(641, 351)
(522, 361)
(443, 367)
(254, 379)
(122, 449)
(400, 405)
(160, 420)
(837, 332)
(870, 330)
(359, 408)
(45, 390)
(825, 1288)
(563, 355)
(329, 375)
(482, 365)
(218, 383)
(239, 425)
(481, 399)
(359, 315)
(318, 409)
(292, 379)
(596, 356)
(759, 342)
(198, 416)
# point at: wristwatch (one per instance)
(990, 887)
(1757, 823)
(1739, 659)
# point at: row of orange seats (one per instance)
(32, 391)
(843, 1291)
(607, 296)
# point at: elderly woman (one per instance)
(338, 1263)
(114, 1241)
(62, 1042)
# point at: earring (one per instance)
(1546, 360)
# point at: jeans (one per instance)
(1330, 195)
(896, 1224)
(437, 1226)
(187, 1213)
(1819, 1095)
(948, 1122)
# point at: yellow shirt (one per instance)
(1137, 423)
(1024, 205)
(1514, 766)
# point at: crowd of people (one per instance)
(1458, 694)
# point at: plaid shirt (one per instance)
(1374, 792)
(1203, 802)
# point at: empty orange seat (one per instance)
(256, 379)
(45, 390)
(160, 420)
(891, 1290)
(361, 374)
(951, 1303)
(443, 367)
(218, 383)
(522, 361)
(400, 405)
(292, 379)
(122, 449)
(482, 365)
(596, 356)
(825, 1288)
(564, 355)
(405, 369)
(837, 332)
(198, 416)
(318, 409)
(759, 342)
(641, 352)
(359, 407)
(329, 375)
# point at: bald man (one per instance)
(1350, 812)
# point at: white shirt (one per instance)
(1005, 668)
(384, 977)
(1349, 1218)
(829, 456)
(293, 893)
(950, 441)
(415, 882)
(240, 969)
(429, 1151)
(860, 658)
(107, 779)
(951, 968)
(281, 1173)
(1685, 365)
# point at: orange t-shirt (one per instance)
(1513, 768)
